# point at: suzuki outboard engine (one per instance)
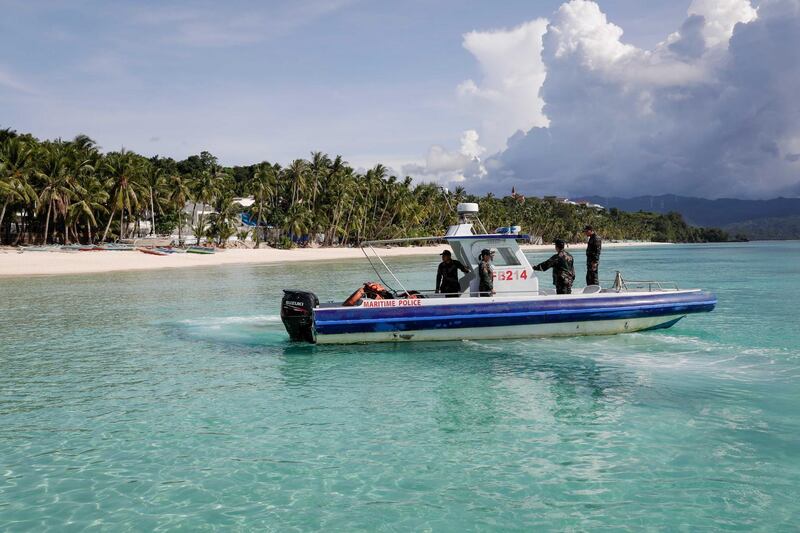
(297, 308)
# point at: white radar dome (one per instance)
(467, 208)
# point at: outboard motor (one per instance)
(297, 313)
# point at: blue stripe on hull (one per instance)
(519, 313)
(597, 327)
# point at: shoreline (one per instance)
(14, 263)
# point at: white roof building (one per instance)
(245, 202)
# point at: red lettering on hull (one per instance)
(411, 302)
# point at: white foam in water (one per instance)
(219, 321)
(483, 346)
(656, 351)
(248, 330)
(692, 354)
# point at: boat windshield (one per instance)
(505, 257)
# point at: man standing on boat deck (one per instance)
(486, 273)
(447, 275)
(592, 256)
(563, 268)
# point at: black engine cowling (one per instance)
(297, 313)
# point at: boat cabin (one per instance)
(512, 270)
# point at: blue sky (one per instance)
(550, 96)
(260, 80)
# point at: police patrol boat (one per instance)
(519, 308)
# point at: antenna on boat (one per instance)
(467, 212)
(445, 193)
(389, 270)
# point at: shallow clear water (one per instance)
(172, 399)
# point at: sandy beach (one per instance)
(16, 263)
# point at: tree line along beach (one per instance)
(15, 263)
(67, 192)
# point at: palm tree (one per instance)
(122, 170)
(91, 200)
(206, 186)
(297, 220)
(6, 134)
(80, 155)
(339, 184)
(15, 169)
(154, 181)
(178, 196)
(319, 169)
(262, 186)
(297, 175)
(52, 173)
(223, 221)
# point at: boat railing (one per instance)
(605, 286)
(641, 285)
(405, 240)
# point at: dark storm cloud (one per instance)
(687, 117)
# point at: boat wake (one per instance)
(256, 330)
(687, 354)
(647, 352)
(222, 321)
(657, 352)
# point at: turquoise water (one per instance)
(172, 400)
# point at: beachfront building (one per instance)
(587, 203)
(195, 214)
(567, 201)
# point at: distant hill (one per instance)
(704, 212)
(757, 219)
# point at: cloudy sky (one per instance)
(615, 97)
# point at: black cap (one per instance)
(485, 251)
(587, 227)
(559, 243)
(446, 252)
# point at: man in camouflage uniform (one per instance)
(486, 273)
(447, 275)
(563, 268)
(592, 256)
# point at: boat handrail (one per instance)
(445, 238)
(652, 285)
(403, 240)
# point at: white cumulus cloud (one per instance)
(446, 166)
(504, 101)
(721, 16)
(506, 98)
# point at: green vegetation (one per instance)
(68, 191)
(550, 218)
(763, 229)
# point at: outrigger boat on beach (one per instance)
(207, 250)
(518, 309)
(152, 251)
